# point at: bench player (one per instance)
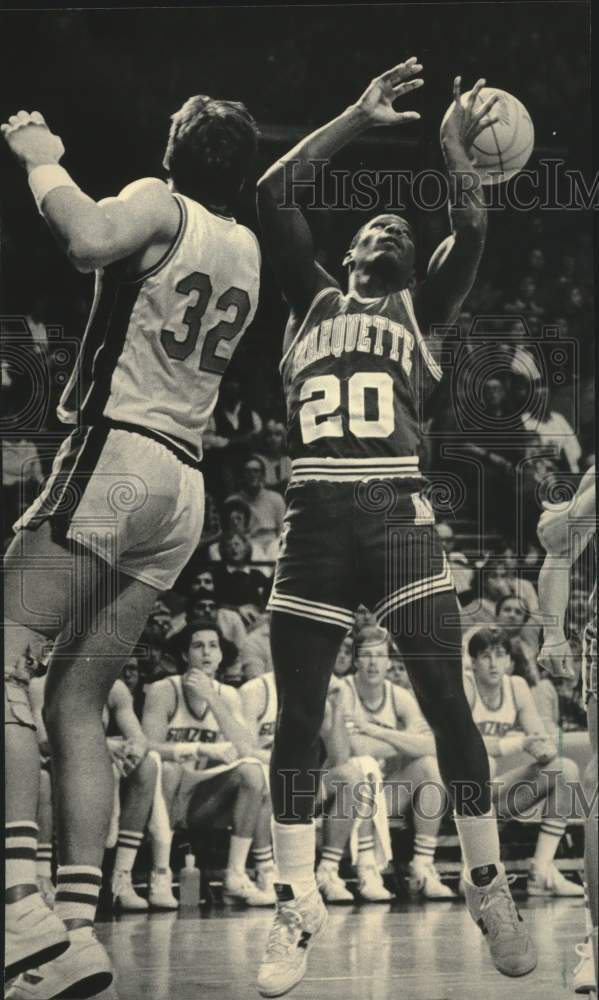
(355, 369)
(565, 532)
(505, 712)
(177, 283)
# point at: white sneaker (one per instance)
(332, 887)
(550, 882)
(239, 888)
(33, 935)
(47, 890)
(584, 973)
(297, 924)
(371, 885)
(160, 895)
(424, 881)
(82, 971)
(124, 896)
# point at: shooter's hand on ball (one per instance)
(376, 103)
(31, 141)
(464, 124)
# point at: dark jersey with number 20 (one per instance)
(355, 377)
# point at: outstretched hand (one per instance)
(464, 124)
(377, 100)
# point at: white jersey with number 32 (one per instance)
(156, 346)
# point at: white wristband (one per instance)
(45, 178)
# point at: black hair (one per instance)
(211, 148)
(488, 638)
(199, 625)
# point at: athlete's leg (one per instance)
(304, 653)
(425, 631)
(516, 791)
(137, 794)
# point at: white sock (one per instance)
(424, 849)
(161, 854)
(330, 858)
(550, 834)
(295, 852)
(263, 858)
(239, 848)
(588, 920)
(43, 860)
(479, 839)
(126, 850)
(77, 891)
(21, 843)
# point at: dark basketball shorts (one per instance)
(346, 544)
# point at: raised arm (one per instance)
(93, 234)
(452, 269)
(286, 233)
(564, 534)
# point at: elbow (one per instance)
(90, 251)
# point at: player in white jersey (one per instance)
(565, 531)
(209, 768)
(505, 712)
(259, 702)
(385, 722)
(177, 285)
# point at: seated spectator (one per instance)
(202, 604)
(267, 508)
(491, 584)
(237, 517)
(272, 450)
(208, 769)
(505, 713)
(344, 664)
(255, 652)
(512, 614)
(22, 476)
(526, 300)
(556, 435)
(238, 584)
(384, 722)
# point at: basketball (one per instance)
(505, 147)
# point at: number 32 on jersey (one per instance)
(321, 398)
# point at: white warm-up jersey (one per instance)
(495, 721)
(186, 727)
(156, 346)
(265, 690)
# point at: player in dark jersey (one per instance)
(356, 368)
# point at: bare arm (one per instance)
(93, 234)
(564, 534)
(252, 695)
(286, 233)
(120, 704)
(438, 300)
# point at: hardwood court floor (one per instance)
(428, 951)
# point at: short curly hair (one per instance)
(211, 149)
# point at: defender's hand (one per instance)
(464, 124)
(376, 103)
(31, 141)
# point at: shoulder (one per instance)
(152, 195)
(230, 695)
(403, 700)
(252, 240)
(162, 692)
(119, 694)
(520, 689)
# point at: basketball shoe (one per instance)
(33, 935)
(160, 894)
(371, 886)
(297, 924)
(83, 970)
(549, 881)
(124, 896)
(495, 913)
(332, 887)
(424, 881)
